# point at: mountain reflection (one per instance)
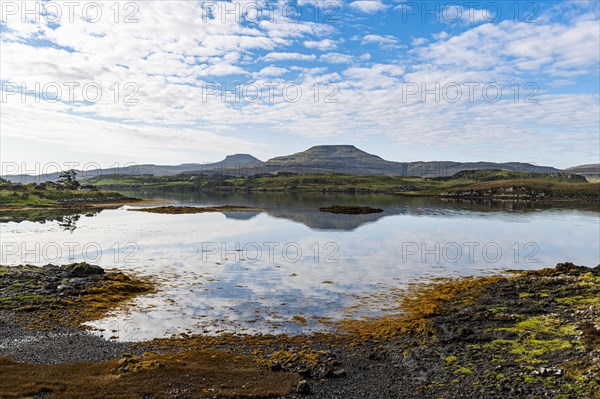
(304, 207)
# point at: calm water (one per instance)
(253, 272)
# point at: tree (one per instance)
(68, 179)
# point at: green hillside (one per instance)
(475, 183)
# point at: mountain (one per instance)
(334, 158)
(241, 159)
(447, 168)
(231, 162)
(593, 169)
(351, 160)
(323, 158)
(589, 171)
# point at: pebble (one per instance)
(303, 387)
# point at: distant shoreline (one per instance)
(480, 184)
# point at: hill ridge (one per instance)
(334, 158)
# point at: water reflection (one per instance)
(304, 207)
(254, 272)
(69, 223)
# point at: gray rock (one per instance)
(341, 373)
(305, 373)
(303, 387)
(84, 269)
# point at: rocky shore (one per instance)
(526, 335)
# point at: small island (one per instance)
(350, 210)
(181, 210)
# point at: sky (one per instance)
(113, 83)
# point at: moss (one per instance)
(499, 359)
(558, 336)
(463, 370)
(21, 298)
(421, 305)
(203, 373)
(451, 359)
(580, 301)
(116, 289)
(531, 350)
(530, 380)
(544, 324)
(293, 357)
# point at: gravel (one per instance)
(63, 345)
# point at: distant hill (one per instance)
(590, 171)
(593, 168)
(230, 163)
(346, 159)
(334, 158)
(233, 164)
(351, 160)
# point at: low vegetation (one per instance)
(192, 374)
(468, 184)
(66, 191)
(54, 200)
(536, 333)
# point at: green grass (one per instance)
(534, 186)
(30, 195)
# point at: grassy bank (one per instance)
(52, 201)
(51, 195)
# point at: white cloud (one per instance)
(418, 41)
(509, 48)
(336, 58)
(113, 140)
(288, 57)
(272, 71)
(172, 54)
(376, 76)
(379, 39)
(325, 44)
(368, 6)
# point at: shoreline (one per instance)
(534, 332)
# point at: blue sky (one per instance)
(406, 80)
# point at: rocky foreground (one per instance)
(528, 335)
